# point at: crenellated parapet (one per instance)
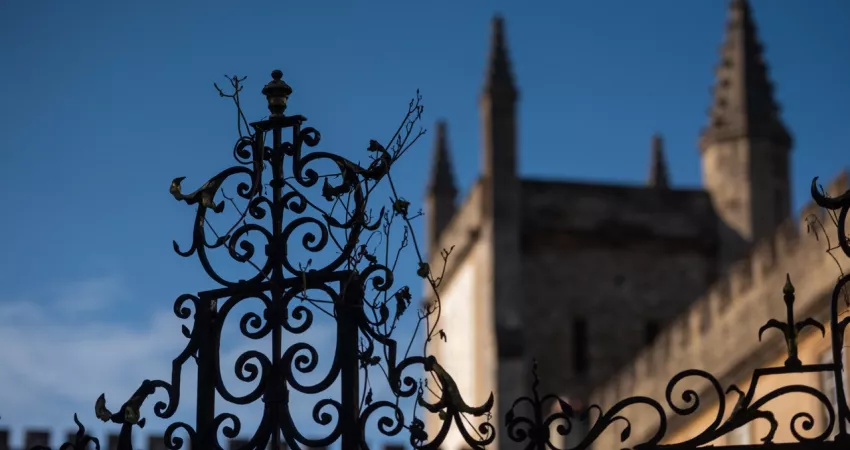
(154, 441)
(29, 438)
(718, 332)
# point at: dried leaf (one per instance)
(424, 270)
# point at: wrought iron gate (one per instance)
(279, 281)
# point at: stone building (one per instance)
(614, 289)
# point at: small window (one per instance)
(580, 357)
(651, 332)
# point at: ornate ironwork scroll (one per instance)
(274, 174)
(534, 431)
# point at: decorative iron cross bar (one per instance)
(790, 329)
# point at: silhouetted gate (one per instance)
(279, 281)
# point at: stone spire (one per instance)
(441, 194)
(497, 106)
(442, 177)
(500, 230)
(743, 104)
(658, 174)
(498, 78)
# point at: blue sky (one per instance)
(106, 102)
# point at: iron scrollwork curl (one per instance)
(453, 408)
(535, 430)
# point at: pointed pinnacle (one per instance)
(499, 66)
(743, 103)
(789, 288)
(442, 176)
(658, 175)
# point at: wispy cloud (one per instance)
(88, 296)
(59, 355)
(56, 361)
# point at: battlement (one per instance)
(154, 441)
(31, 437)
(719, 330)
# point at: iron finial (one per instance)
(789, 288)
(277, 93)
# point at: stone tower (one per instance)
(500, 224)
(441, 194)
(501, 183)
(745, 146)
(482, 286)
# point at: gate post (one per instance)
(348, 317)
(207, 352)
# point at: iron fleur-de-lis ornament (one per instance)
(790, 329)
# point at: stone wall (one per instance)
(462, 233)
(812, 349)
(719, 332)
(625, 260)
(471, 327)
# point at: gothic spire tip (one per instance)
(743, 103)
(442, 176)
(499, 75)
(658, 173)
